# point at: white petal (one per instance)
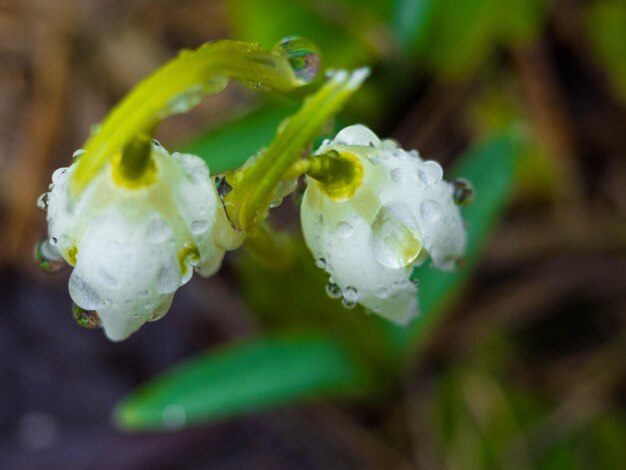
(372, 241)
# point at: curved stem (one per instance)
(175, 88)
(249, 201)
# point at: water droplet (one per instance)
(382, 293)
(82, 293)
(351, 294)
(158, 231)
(168, 280)
(48, 258)
(398, 175)
(345, 229)
(333, 290)
(431, 210)
(86, 318)
(348, 303)
(53, 241)
(58, 175)
(183, 102)
(395, 239)
(358, 134)
(302, 56)
(320, 263)
(77, 154)
(462, 192)
(198, 227)
(42, 201)
(174, 417)
(430, 172)
(156, 143)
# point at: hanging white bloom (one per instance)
(398, 212)
(131, 245)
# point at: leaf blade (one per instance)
(245, 376)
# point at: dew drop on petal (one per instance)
(77, 154)
(333, 291)
(83, 294)
(431, 210)
(42, 201)
(382, 293)
(358, 134)
(395, 239)
(462, 192)
(198, 227)
(430, 172)
(348, 303)
(320, 263)
(302, 56)
(168, 280)
(398, 175)
(158, 231)
(58, 175)
(86, 318)
(48, 258)
(344, 229)
(350, 294)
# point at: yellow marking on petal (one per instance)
(190, 250)
(72, 253)
(338, 174)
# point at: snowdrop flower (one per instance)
(369, 235)
(133, 242)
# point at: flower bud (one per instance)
(370, 237)
(133, 242)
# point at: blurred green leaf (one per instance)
(454, 38)
(249, 375)
(231, 144)
(331, 27)
(491, 168)
(606, 24)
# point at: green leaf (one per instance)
(250, 375)
(231, 144)
(490, 167)
(606, 26)
(344, 42)
(454, 38)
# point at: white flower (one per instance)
(132, 247)
(369, 241)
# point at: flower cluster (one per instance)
(136, 222)
(370, 239)
(133, 247)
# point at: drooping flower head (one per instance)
(369, 234)
(136, 221)
(133, 242)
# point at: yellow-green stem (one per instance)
(250, 199)
(176, 87)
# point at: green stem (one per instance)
(274, 249)
(176, 87)
(249, 201)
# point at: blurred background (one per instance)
(525, 369)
